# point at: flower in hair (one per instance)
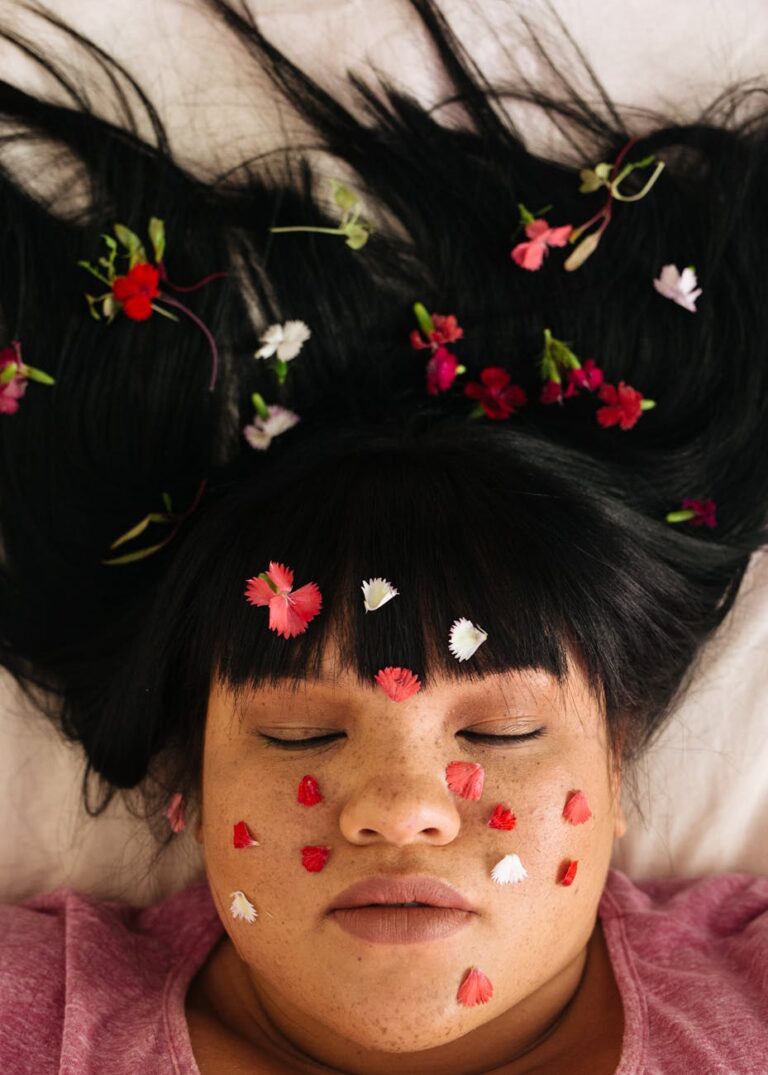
(678, 286)
(465, 778)
(289, 610)
(509, 871)
(442, 369)
(475, 989)
(14, 374)
(241, 907)
(269, 422)
(242, 837)
(576, 809)
(376, 592)
(175, 812)
(695, 512)
(167, 516)
(530, 254)
(356, 231)
(309, 792)
(434, 332)
(625, 405)
(283, 343)
(496, 397)
(398, 683)
(502, 818)
(465, 638)
(588, 376)
(569, 874)
(552, 392)
(133, 292)
(314, 858)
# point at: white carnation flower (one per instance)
(509, 871)
(376, 592)
(260, 432)
(465, 639)
(242, 907)
(678, 286)
(285, 341)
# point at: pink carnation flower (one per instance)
(530, 255)
(446, 330)
(441, 371)
(289, 610)
(12, 391)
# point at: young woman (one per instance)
(385, 493)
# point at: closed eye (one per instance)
(319, 740)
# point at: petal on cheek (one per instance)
(241, 907)
(569, 874)
(465, 778)
(309, 792)
(577, 809)
(475, 989)
(314, 858)
(242, 836)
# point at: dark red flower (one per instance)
(624, 405)
(496, 395)
(441, 371)
(705, 512)
(136, 290)
(552, 392)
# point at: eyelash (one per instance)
(303, 744)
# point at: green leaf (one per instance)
(525, 214)
(357, 236)
(157, 237)
(265, 578)
(132, 243)
(131, 557)
(423, 316)
(259, 405)
(139, 528)
(343, 196)
(167, 501)
(92, 307)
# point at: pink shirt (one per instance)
(88, 987)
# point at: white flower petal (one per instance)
(376, 592)
(260, 432)
(295, 335)
(465, 639)
(271, 338)
(256, 437)
(242, 907)
(679, 287)
(509, 871)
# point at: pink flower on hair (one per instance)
(289, 611)
(624, 406)
(398, 683)
(12, 391)
(475, 989)
(441, 371)
(705, 512)
(589, 376)
(495, 394)
(446, 330)
(465, 778)
(678, 286)
(530, 255)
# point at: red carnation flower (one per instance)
(589, 376)
(446, 329)
(496, 395)
(705, 512)
(441, 371)
(289, 610)
(552, 392)
(136, 290)
(624, 406)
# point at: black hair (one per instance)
(545, 529)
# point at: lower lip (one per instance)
(401, 925)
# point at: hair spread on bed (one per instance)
(548, 530)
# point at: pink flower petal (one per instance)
(284, 618)
(577, 809)
(537, 229)
(175, 812)
(465, 778)
(559, 236)
(529, 255)
(307, 601)
(398, 683)
(309, 792)
(281, 576)
(258, 592)
(475, 989)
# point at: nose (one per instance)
(401, 807)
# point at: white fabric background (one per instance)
(702, 792)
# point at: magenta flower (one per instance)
(704, 512)
(495, 394)
(441, 371)
(589, 376)
(552, 392)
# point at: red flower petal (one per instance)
(307, 601)
(314, 858)
(309, 792)
(138, 307)
(495, 378)
(529, 255)
(475, 989)
(447, 329)
(284, 618)
(242, 836)
(465, 778)
(398, 683)
(570, 873)
(576, 809)
(441, 371)
(537, 229)
(281, 576)
(502, 818)
(417, 341)
(559, 236)
(258, 591)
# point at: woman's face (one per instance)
(387, 809)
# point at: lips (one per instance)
(403, 888)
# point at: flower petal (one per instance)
(242, 907)
(309, 792)
(314, 858)
(376, 592)
(258, 592)
(577, 809)
(465, 638)
(475, 989)
(242, 837)
(502, 818)
(509, 871)
(175, 812)
(398, 683)
(569, 874)
(465, 778)
(281, 575)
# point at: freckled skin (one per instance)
(292, 981)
